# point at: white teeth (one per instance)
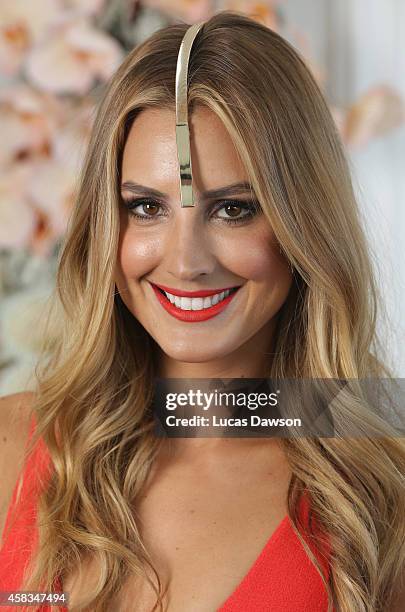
(197, 303)
(185, 303)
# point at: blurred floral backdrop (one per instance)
(55, 57)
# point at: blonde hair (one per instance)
(94, 393)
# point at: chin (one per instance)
(192, 353)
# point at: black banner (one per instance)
(252, 407)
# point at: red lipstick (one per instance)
(193, 316)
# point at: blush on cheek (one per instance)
(138, 255)
(254, 258)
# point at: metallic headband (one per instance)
(182, 128)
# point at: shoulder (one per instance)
(15, 405)
(15, 417)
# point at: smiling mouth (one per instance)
(197, 303)
(194, 309)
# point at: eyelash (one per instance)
(252, 207)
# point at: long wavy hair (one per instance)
(95, 383)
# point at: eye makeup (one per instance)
(248, 210)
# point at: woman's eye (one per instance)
(142, 209)
(228, 211)
(237, 211)
(150, 209)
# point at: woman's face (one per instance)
(223, 242)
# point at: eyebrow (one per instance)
(210, 194)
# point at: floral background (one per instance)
(55, 58)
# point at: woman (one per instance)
(124, 512)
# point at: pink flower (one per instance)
(22, 23)
(72, 58)
(378, 111)
(44, 140)
(17, 218)
(190, 11)
(35, 202)
(27, 121)
(52, 190)
(264, 12)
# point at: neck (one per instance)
(252, 360)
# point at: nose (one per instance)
(188, 249)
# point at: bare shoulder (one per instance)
(15, 407)
(15, 413)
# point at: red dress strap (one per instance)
(20, 531)
(283, 578)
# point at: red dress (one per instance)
(282, 579)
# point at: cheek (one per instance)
(255, 255)
(138, 254)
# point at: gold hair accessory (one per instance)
(182, 128)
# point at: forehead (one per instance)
(150, 153)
